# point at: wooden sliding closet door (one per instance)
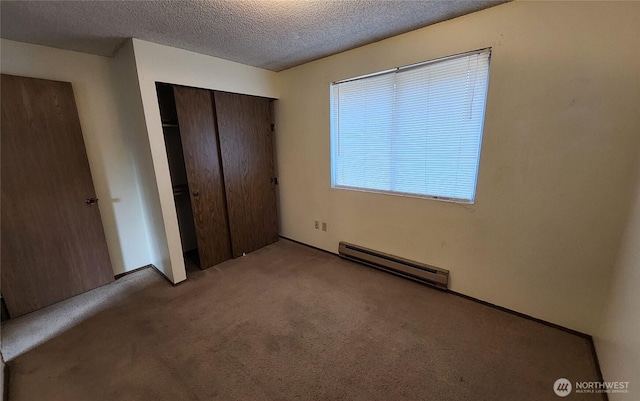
(244, 128)
(196, 119)
(53, 244)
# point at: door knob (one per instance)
(91, 201)
(196, 193)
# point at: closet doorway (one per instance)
(220, 152)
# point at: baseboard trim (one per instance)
(162, 274)
(309, 246)
(119, 276)
(167, 278)
(523, 315)
(149, 266)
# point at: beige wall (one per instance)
(618, 338)
(106, 135)
(158, 63)
(127, 86)
(555, 192)
(558, 157)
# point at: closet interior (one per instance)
(220, 153)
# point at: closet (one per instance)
(220, 154)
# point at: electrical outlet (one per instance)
(317, 224)
(324, 226)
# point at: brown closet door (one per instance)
(53, 244)
(198, 134)
(244, 127)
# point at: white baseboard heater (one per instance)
(396, 265)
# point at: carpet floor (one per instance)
(286, 322)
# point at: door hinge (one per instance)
(274, 180)
(273, 127)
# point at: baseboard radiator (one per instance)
(393, 264)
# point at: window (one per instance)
(413, 130)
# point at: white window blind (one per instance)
(415, 130)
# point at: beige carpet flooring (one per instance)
(286, 322)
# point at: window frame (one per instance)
(333, 129)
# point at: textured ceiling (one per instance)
(272, 34)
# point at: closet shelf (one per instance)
(169, 125)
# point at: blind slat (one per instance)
(416, 131)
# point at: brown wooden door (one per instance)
(53, 244)
(246, 147)
(198, 135)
